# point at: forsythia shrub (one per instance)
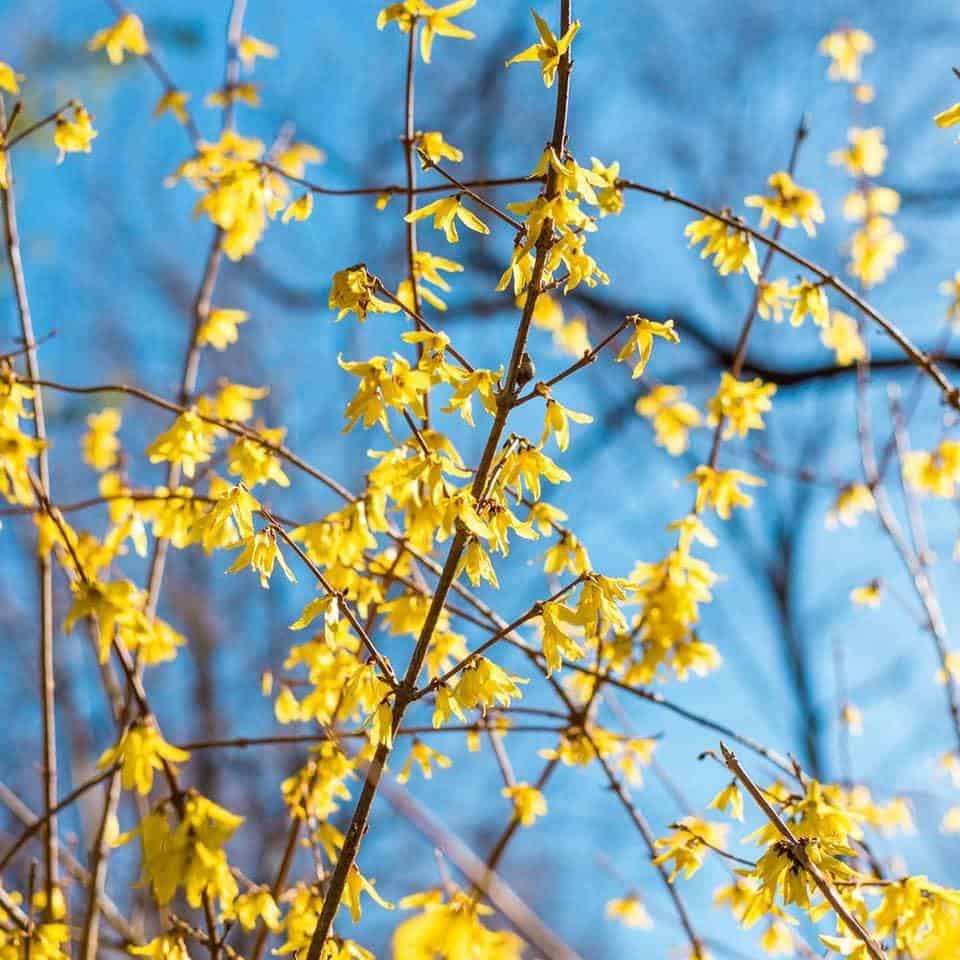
(393, 629)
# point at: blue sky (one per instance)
(700, 97)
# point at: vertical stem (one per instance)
(44, 563)
(409, 156)
(505, 401)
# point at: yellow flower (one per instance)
(852, 719)
(846, 48)
(729, 798)
(773, 297)
(9, 78)
(851, 503)
(937, 472)
(843, 337)
(869, 201)
(528, 803)
(672, 417)
(687, 845)
(445, 213)
(255, 905)
(219, 329)
(740, 404)
(810, 299)
(867, 595)
(300, 209)
(248, 93)
(946, 118)
(174, 101)
(100, 443)
(556, 419)
(352, 290)
(641, 341)
(140, 751)
(356, 885)
(436, 148)
(250, 48)
(630, 911)
(167, 947)
(260, 552)
(732, 249)
(126, 35)
(549, 50)
(866, 155)
(424, 757)
(189, 440)
(951, 289)
(294, 159)
(874, 249)
(790, 205)
(610, 196)
(436, 22)
(73, 136)
(719, 489)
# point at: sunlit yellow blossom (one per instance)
(260, 552)
(852, 719)
(353, 290)
(219, 328)
(189, 440)
(249, 48)
(248, 93)
(528, 803)
(73, 136)
(630, 911)
(166, 947)
(300, 209)
(729, 798)
(867, 595)
(9, 78)
(740, 404)
(548, 50)
(720, 489)
(843, 337)
(124, 36)
(846, 48)
(610, 194)
(791, 204)
(436, 148)
(688, 845)
(445, 213)
(851, 503)
(672, 417)
(732, 249)
(937, 472)
(867, 154)
(641, 340)
(772, 298)
(556, 419)
(951, 288)
(174, 101)
(448, 926)
(254, 905)
(870, 200)
(424, 757)
(435, 21)
(100, 444)
(949, 117)
(140, 751)
(810, 299)
(874, 249)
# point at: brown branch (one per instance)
(44, 562)
(799, 854)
